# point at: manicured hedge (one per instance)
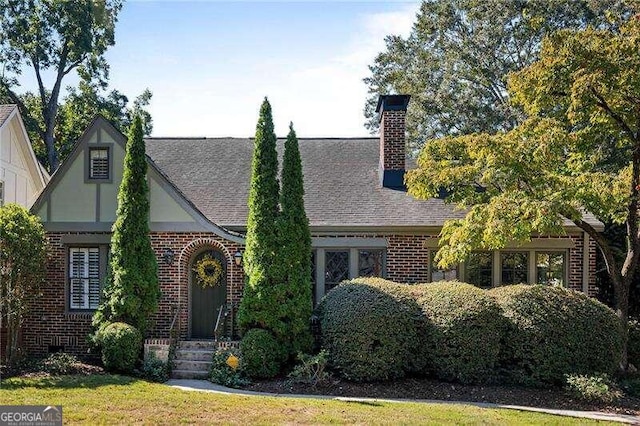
(262, 354)
(466, 329)
(553, 331)
(633, 346)
(370, 329)
(121, 346)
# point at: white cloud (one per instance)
(325, 98)
(328, 99)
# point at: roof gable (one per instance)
(71, 202)
(20, 170)
(5, 112)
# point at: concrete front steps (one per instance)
(193, 358)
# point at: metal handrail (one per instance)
(173, 323)
(216, 333)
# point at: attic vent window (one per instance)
(99, 163)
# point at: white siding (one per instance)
(17, 171)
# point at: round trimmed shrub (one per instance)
(467, 328)
(553, 331)
(633, 344)
(370, 327)
(262, 354)
(121, 346)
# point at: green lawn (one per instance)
(118, 399)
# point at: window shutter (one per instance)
(99, 163)
(94, 278)
(84, 278)
(77, 272)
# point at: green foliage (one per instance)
(155, 370)
(262, 295)
(59, 363)
(631, 386)
(576, 154)
(599, 388)
(311, 369)
(131, 293)
(277, 259)
(262, 354)
(372, 330)
(466, 331)
(121, 345)
(456, 58)
(23, 254)
(294, 252)
(553, 331)
(224, 374)
(633, 344)
(53, 37)
(76, 111)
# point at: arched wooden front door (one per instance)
(207, 299)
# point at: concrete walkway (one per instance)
(206, 386)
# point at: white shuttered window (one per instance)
(99, 163)
(84, 277)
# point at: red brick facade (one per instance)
(392, 140)
(50, 325)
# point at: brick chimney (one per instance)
(392, 110)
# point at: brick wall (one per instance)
(408, 258)
(575, 264)
(392, 141)
(50, 324)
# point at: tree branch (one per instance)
(26, 115)
(41, 89)
(602, 103)
(72, 66)
(603, 244)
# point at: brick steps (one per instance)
(188, 374)
(193, 358)
(194, 355)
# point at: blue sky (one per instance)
(209, 64)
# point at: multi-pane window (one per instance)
(479, 269)
(336, 268)
(370, 263)
(314, 268)
(515, 267)
(332, 265)
(550, 268)
(99, 163)
(442, 274)
(84, 277)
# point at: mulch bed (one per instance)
(31, 369)
(431, 389)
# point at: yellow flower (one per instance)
(233, 361)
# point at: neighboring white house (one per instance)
(21, 175)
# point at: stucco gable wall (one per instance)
(74, 203)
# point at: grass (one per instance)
(123, 400)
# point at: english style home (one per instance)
(362, 220)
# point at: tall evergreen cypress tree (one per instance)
(131, 293)
(263, 298)
(295, 249)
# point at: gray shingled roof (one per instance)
(340, 177)
(341, 182)
(5, 112)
